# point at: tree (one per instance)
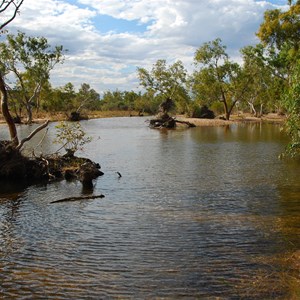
(292, 105)
(166, 81)
(280, 34)
(30, 60)
(71, 136)
(12, 8)
(86, 97)
(263, 87)
(218, 79)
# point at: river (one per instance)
(206, 213)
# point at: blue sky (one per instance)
(105, 24)
(108, 39)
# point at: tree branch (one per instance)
(77, 198)
(33, 133)
(16, 9)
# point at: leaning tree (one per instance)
(8, 12)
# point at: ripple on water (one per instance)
(190, 218)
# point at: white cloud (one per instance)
(108, 59)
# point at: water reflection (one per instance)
(198, 213)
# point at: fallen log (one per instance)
(77, 198)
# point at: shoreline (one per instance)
(235, 119)
(272, 118)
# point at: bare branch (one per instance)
(16, 10)
(33, 133)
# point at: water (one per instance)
(198, 213)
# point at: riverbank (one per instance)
(60, 116)
(235, 119)
(241, 118)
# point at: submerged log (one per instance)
(77, 198)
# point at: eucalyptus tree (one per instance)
(30, 60)
(280, 34)
(292, 104)
(263, 87)
(61, 99)
(86, 97)
(166, 82)
(218, 78)
(8, 12)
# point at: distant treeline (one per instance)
(267, 80)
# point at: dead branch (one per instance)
(33, 133)
(77, 198)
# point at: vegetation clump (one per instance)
(71, 136)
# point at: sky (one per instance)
(108, 39)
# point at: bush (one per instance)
(201, 112)
(71, 136)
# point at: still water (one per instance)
(206, 213)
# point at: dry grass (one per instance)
(62, 116)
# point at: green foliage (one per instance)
(217, 108)
(30, 60)
(292, 105)
(148, 102)
(118, 100)
(218, 79)
(280, 35)
(281, 27)
(71, 136)
(166, 82)
(263, 86)
(86, 98)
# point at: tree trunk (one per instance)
(227, 113)
(6, 114)
(261, 110)
(29, 113)
(252, 108)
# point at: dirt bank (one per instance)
(235, 119)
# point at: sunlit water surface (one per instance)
(199, 213)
